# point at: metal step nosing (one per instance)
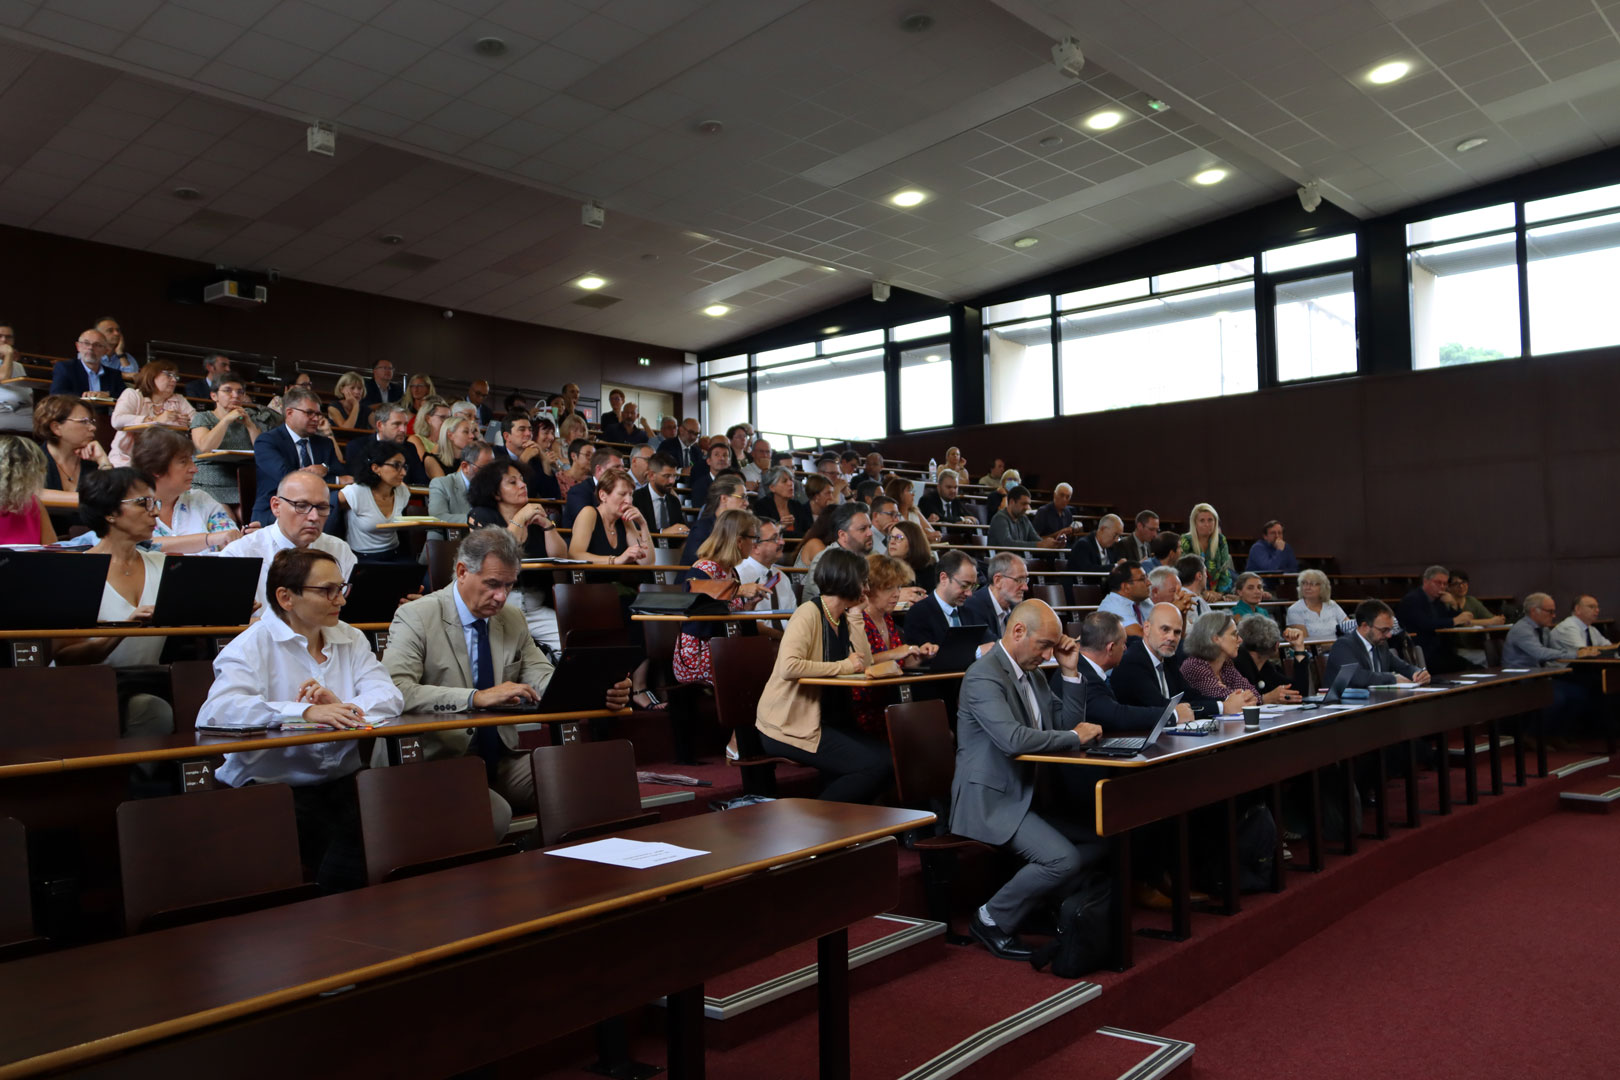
(987, 1040)
(1167, 1054)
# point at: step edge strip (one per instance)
(989, 1039)
(1579, 766)
(1168, 1054)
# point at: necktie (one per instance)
(956, 617)
(486, 740)
(1589, 635)
(1028, 693)
(1164, 687)
(304, 460)
(1376, 666)
(659, 510)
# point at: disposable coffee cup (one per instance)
(1251, 718)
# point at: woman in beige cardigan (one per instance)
(816, 726)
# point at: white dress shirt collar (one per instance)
(1101, 674)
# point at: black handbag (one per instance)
(678, 603)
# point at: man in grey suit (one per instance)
(464, 647)
(1367, 650)
(447, 494)
(1008, 709)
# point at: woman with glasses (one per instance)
(1316, 612)
(776, 503)
(67, 429)
(23, 519)
(189, 520)
(725, 493)
(905, 500)
(886, 578)
(427, 426)
(1210, 670)
(1260, 659)
(498, 494)
(154, 399)
(377, 496)
(909, 544)
(732, 541)
(304, 663)
(121, 506)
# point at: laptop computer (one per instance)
(958, 651)
(200, 590)
(51, 590)
(1123, 746)
(1341, 681)
(375, 590)
(583, 675)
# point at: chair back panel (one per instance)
(16, 905)
(592, 606)
(58, 705)
(189, 683)
(1055, 595)
(584, 784)
(441, 561)
(418, 813)
(924, 752)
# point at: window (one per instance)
(1455, 226)
(1174, 348)
(1315, 320)
(725, 365)
(847, 342)
(785, 355)
(1572, 270)
(927, 328)
(1105, 294)
(925, 388)
(1573, 204)
(1465, 298)
(830, 398)
(725, 402)
(1018, 370)
(1311, 253)
(1018, 309)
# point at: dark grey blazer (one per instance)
(1350, 650)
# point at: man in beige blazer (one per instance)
(437, 659)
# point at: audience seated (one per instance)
(1012, 525)
(904, 494)
(776, 503)
(153, 399)
(955, 578)
(908, 543)
(215, 368)
(1150, 671)
(465, 648)
(819, 494)
(498, 495)
(1126, 597)
(1250, 589)
(615, 403)
(714, 462)
(657, 500)
(582, 493)
(87, 374)
(419, 390)
(1103, 644)
(456, 434)
(850, 467)
(118, 352)
(814, 726)
(1164, 587)
(1007, 709)
(1009, 480)
(760, 568)
(1210, 669)
(517, 438)
(378, 495)
(1315, 611)
(348, 410)
(119, 505)
(1095, 553)
(726, 493)
(627, 427)
(581, 455)
(851, 530)
(1271, 554)
(640, 455)
(1055, 520)
(448, 495)
(1009, 584)
(301, 660)
(612, 531)
(189, 520)
(1366, 648)
(682, 445)
(1137, 545)
(381, 388)
(955, 462)
(427, 434)
(1529, 645)
(1194, 582)
(1458, 591)
(1163, 550)
(294, 445)
(884, 512)
(1578, 630)
(299, 509)
(945, 502)
(1205, 539)
(1424, 611)
(232, 424)
(478, 397)
(23, 519)
(388, 423)
(887, 580)
(67, 429)
(16, 402)
(757, 465)
(731, 542)
(1258, 661)
(993, 477)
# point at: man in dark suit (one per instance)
(583, 494)
(1150, 671)
(704, 472)
(681, 446)
(215, 367)
(1102, 647)
(380, 387)
(1007, 709)
(928, 619)
(89, 371)
(1009, 584)
(944, 502)
(657, 500)
(1095, 550)
(1367, 650)
(1423, 611)
(1135, 545)
(388, 425)
(294, 445)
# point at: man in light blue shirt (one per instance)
(1271, 554)
(1529, 645)
(1127, 589)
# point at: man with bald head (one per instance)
(1149, 672)
(1102, 647)
(89, 372)
(1007, 708)
(300, 507)
(1095, 552)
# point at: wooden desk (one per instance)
(733, 620)
(225, 457)
(579, 570)
(903, 682)
(266, 990)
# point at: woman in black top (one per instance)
(725, 493)
(776, 503)
(499, 495)
(66, 428)
(1258, 660)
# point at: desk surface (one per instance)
(149, 631)
(857, 682)
(76, 1006)
(734, 616)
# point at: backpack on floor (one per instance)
(1084, 930)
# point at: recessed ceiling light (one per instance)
(908, 197)
(932, 358)
(1209, 176)
(831, 329)
(1156, 105)
(187, 194)
(391, 239)
(1052, 140)
(916, 22)
(710, 127)
(716, 310)
(1471, 144)
(490, 46)
(591, 281)
(1389, 72)
(1102, 121)
(1026, 241)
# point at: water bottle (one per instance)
(933, 469)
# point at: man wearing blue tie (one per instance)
(293, 446)
(927, 619)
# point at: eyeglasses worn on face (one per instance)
(302, 508)
(392, 465)
(145, 502)
(306, 412)
(965, 586)
(331, 592)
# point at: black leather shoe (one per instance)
(1006, 946)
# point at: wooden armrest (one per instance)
(634, 821)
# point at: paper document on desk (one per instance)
(1423, 689)
(1515, 671)
(637, 854)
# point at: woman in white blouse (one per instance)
(1315, 611)
(154, 399)
(378, 495)
(121, 506)
(303, 663)
(190, 520)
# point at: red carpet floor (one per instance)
(1500, 963)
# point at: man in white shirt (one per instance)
(640, 462)
(447, 494)
(757, 465)
(300, 506)
(1127, 588)
(759, 568)
(1580, 630)
(1009, 583)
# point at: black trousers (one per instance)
(854, 768)
(329, 843)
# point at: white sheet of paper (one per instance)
(1515, 670)
(636, 854)
(1423, 689)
